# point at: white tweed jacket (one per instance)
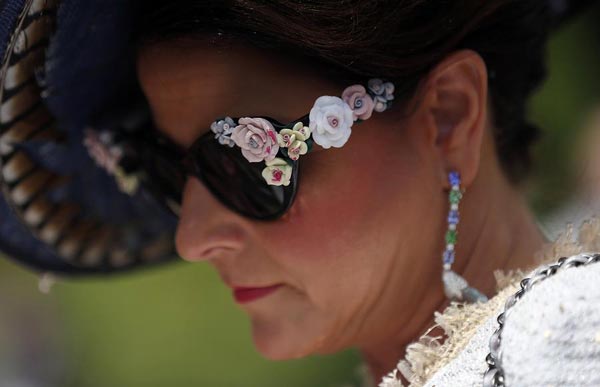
(550, 336)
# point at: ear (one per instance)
(453, 110)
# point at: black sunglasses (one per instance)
(241, 180)
(224, 171)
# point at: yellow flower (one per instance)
(296, 149)
(277, 172)
(302, 132)
(286, 137)
(294, 139)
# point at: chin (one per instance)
(275, 342)
(291, 328)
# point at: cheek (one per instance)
(343, 228)
(349, 241)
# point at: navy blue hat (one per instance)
(68, 66)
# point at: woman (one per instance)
(400, 118)
(395, 221)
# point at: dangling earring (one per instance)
(455, 286)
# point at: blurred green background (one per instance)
(178, 326)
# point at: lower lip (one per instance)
(244, 295)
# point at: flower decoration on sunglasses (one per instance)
(257, 137)
(277, 172)
(294, 140)
(222, 130)
(383, 93)
(329, 125)
(109, 155)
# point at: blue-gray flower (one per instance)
(223, 129)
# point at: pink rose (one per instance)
(257, 138)
(359, 101)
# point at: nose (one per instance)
(207, 229)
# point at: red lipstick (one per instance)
(243, 295)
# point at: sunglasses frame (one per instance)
(183, 160)
(328, 124)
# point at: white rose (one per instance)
(331, 120)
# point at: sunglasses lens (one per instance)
(238, 183)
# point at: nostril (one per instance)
(201, 245)
(206, 254)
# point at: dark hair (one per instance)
(400, 40)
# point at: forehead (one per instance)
(188, 84)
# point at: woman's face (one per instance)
(358, 250)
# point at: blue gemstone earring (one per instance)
(455, 286)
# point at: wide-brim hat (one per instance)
(67, 67)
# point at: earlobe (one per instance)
(457, 100)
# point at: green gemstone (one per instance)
(455, 196)
(451, 236)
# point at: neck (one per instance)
(489, 240)
(495, 241)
